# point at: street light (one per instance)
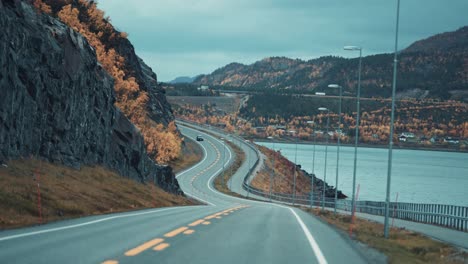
(313, 170)
(356, 134)
(273, 170)
(390, 144)
(336, 86)
(230, 168)
(295, 171)
(224, 154)
(326, 154)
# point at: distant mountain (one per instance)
(183, 79)
(448, 41)
(436, 67)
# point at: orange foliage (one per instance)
(41, 6)
(162, 144)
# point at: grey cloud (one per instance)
(245, 30)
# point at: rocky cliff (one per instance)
(158, 107)
(436, 67)
(57, 102)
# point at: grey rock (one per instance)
(57, 102)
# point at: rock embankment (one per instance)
(57, 102)
(329, 190)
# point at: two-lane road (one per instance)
(226, 230)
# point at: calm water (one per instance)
(417, 176)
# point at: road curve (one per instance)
(226, 230)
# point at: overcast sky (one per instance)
(191, 37)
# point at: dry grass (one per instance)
(221, 185)
(283, 176)
(190, 155)
(68, 193)
(403, 246)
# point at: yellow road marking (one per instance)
(206, 223)
(197, 222)
(218, 217)
(143, 247)
(189, 232)
(110, 262)
(211, 216)
(161, 247)
(225, 214)
(175, 232)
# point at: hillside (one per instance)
(138, 94)
(436, 67)
(183, 79)
(68, 193)
(60, 104)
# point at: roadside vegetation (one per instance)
(425, 124)
(68, 193)
(283, 175)
(221, 182)
(403, 246)
(190, 155)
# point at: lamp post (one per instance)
(295, 171)
(230, 168)
(390, 144)
(272, 174)
(313, 170)
(336, 86)
(326, 154)
(356, 134)
(224, 154)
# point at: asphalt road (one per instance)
(226, 230)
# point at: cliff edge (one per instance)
(57, 101)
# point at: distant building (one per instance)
(451, 140)
(279, 127)
(408, 134)
(203, 88)
(339, 132)
(402, 138)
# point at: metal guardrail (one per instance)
(450, 216)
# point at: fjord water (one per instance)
(417, 176)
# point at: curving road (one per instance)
(226, 230)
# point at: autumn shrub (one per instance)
(163, 143)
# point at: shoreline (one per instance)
(361, 145)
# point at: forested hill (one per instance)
(436, 67)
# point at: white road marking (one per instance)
(198, 164)
(88, 223)
(315, 247)
(313, 244)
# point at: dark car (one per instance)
(199, 138)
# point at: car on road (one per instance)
(199, 138)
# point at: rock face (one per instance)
(57, 102)
(158, 107)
